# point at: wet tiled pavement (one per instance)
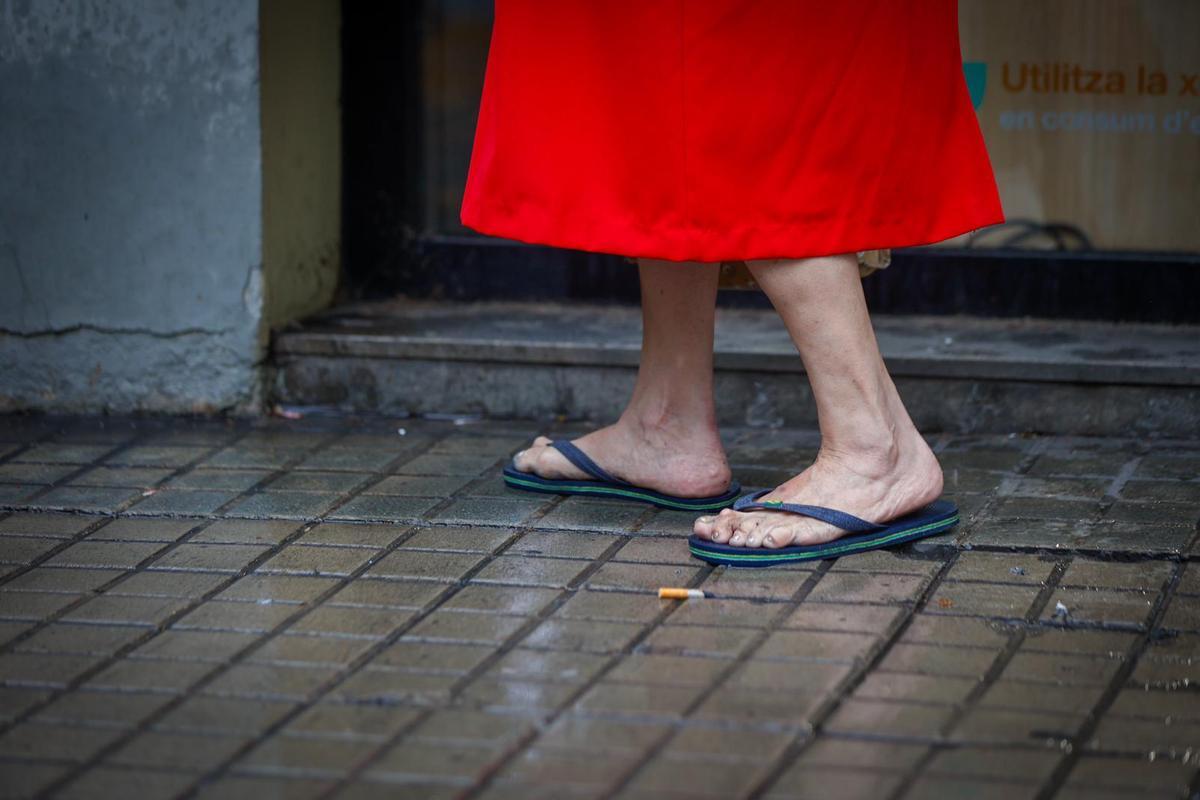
(330, 608)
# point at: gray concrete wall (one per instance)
(130, 205)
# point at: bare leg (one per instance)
(666, 439)
(872, 462)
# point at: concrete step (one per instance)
(533, 361)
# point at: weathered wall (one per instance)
(130, 205)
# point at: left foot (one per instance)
(877, 483)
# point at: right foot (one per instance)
(668, 459)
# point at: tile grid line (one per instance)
(7, 510)
(1001, 661)
(488, 775)
(103, 519)
(1060, 774)
(201, 524)
(364, 658)
(775, 770)
(139, 568)
(753, 646)
(510, 643)
(219, 669)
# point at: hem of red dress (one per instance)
(770, 245)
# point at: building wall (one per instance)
(131, 206)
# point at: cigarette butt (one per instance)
(670, 593)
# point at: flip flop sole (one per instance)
(938, 517)
(533, 483)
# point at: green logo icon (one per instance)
(976, 75)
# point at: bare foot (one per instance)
(876, 483)
(668, 458)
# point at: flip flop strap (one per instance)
(839, 519)
(584, 462)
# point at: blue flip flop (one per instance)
(937, 517)
(606, 485)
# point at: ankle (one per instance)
(662, 417)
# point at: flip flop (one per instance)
(606, 485)
(937, 517)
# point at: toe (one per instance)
(542, 441)
(723, 529)
(526, 459)
(703, 526)
(778, 535)
(751, 528)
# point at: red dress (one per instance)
(711, 130)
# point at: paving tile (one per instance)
(284, 505)
(429, 656)
(295, 647)
(456, 626)
(582, 635)
(901, 687)
(244, 456)
(809, 783)
(788, 676)
(25, 549)
(275, 681)
(564, 545)
(1096, 773)
(277, 588)
(112, 555)
(389, 593)
(1090, 605)
(114, 610)
(964, 631)
(451, 464)
(690, 778)
(87, 498)
(238, 617)
(1110, 644)
(323, 561)
(62, 454)
(1060, 668)
(58, 742)
(851, 587)
(418, 486)
(18, 700)
(829, 617)
(194, 645)
(142, 530)
(132, 477)
(579, 767)
(982, 599)
(413, 761)
(655, 550)
(1163, 706)
(357, 535)
(202, 557)
(35, 473)
(183, 751)
(44, 670)
(239, 531)
(167, 584)
(582, 515)
(276, 784)
(61, 526)
(816, 646)
(1128, 735)
(281, 755)
(1048, 697)
(747, 746)
(490, 511)
(371, 723)
(685, 640)
(548, 665)
(149, 676)
(642, 577)
(230, 480)
(793, 710)
(114, 781)
(1183, 613)
(896, 719)
(1148, 575)
(925, 659)
(1170, 466)
(1007, 726)
(350, 622)
(394, 687)
(935, 787)
(182, 502)
(67, 638)
(620, 606)
(222, 716)
(517, 695)
(403, 563)
(33, 605)
(334, 483)
(1030, 766)
(385, 508)
(827, 751)
(581, 733)
(480, 540)
(1001, 568)
(531, 571)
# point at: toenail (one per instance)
(706, 520)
